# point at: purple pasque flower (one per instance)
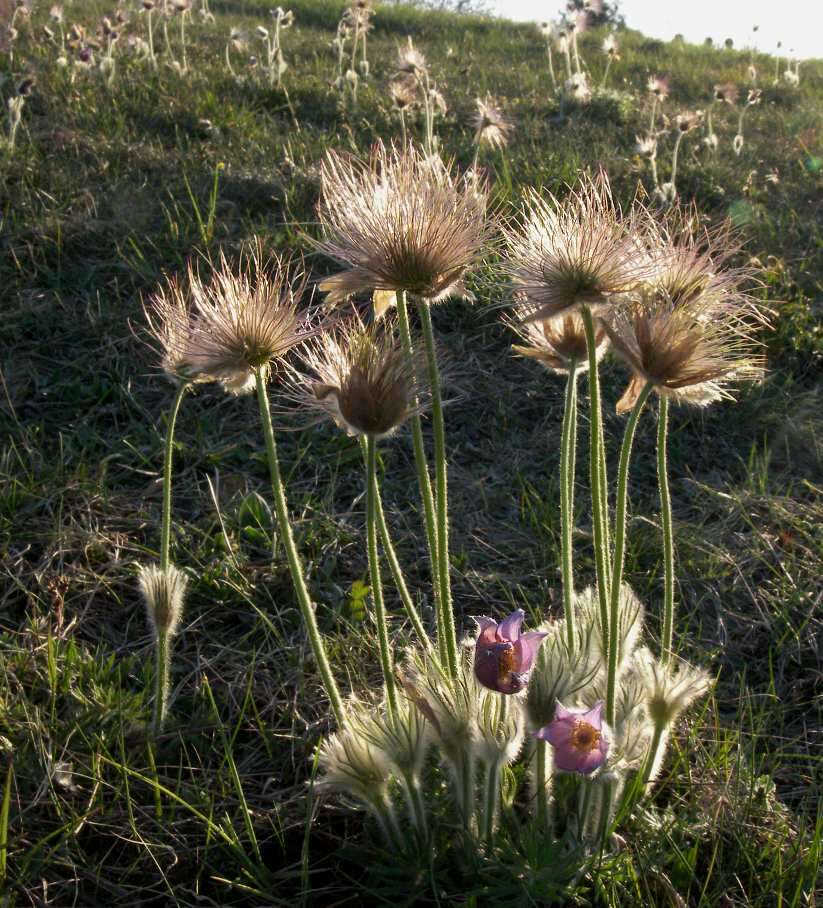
(503, 657)
(579, 738)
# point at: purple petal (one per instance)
(526, 649)
(488, 629)
(509, 628)
(487, 665)
(594, 716)
(590, 761)
(560, 712)
(568, 759)
(557, 733)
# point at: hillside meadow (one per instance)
(122, 174)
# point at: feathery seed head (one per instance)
(449, 704)
(578, 252)
(629, 624)
(169, 318)
(501, 732)
(727, 92)
(689, 120)
(401, 221)
(492, 127)
(557, 343)
(352, 765)
(244, 319)
(646, 146)
(403, 91)
(688, 353)
(670, 687)
(362, 379)
(659, 87)
(163, 593)
(410, 60)
(560, 675)
(403, 739)
(691, 265)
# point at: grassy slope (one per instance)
(100, 199)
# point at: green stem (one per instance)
(541, 760)
(423, 481)
(598, 478)
(394, 561)
(161, 681)
(654, 752)
(295, 568)
(165, 525)
(606, 73)
(441, 490)
(465, 786)
(374, 575)
(605, 813)
(493, 772)
(491, 799)
(567, 459)
(677, 142)
(621, 506)
(668, 533)
(397, 575)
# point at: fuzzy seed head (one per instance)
(353, 766)
(362, 379)
(689, 354)
(403, 91)
(572, 253)
(163, 593)
(659, 87)
(244, 319)
(671, 687)
(557, 343)
(399, 222)
(491, 126)
(410, 60)
(727, 92)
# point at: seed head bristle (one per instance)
(400, 221)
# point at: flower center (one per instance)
(505, 661)
(584, 737)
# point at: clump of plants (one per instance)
(517, 721)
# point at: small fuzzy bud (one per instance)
(163, 593)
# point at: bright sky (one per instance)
(797, 23)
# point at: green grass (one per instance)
(107, 190)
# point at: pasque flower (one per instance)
(572, 253)
(227, 326)
(401, 221)
(557, 343)
(503, 657)
(579, 737)
(492, 127)
(362, 379)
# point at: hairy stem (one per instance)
(541, 758)
(597, 476)
(668, 533)
(295, 568)
(423, 482)
(620, 510)
(161, 680)
(165, 525)
(441, 490)
(384, 644)
(567, 465)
